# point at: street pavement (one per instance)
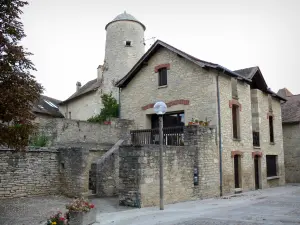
(274, 206)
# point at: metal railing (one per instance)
(256, 142)
(171, 136)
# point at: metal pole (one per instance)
(161, 172)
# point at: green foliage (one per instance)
(19, 89)
(39, 141)
(110, 109)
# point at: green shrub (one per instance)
(39, 141)
(110, 109)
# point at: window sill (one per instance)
(272, 143)
(163, 86)
(273, 178)
(256, 147)
(236, 139)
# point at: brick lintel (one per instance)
(235, 102)
(257, 153)
(237, 152)
(169, 104)
(166, 65)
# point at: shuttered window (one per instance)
(162, 77)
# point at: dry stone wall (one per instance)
(27, 174)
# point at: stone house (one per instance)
(245, 112)
(46, 108)
(291, 135)
(122, 51)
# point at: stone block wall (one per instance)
(35, 172)
(291, 142)
(139, 170)
(62, 131)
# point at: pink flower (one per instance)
(92, 206)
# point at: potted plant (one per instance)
(81, 212)
(201, 123)
(57, 219)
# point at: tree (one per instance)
(109, 110)
(18, 88)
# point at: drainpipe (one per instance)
(220, 137)
(119, 108)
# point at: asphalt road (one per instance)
(269, 206)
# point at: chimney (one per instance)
(78, 85)
(99, 73)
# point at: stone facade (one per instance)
(193, 90)
(139, 170)
(83, 107)
(28, 174)
(291, 142)
(186, 81)
(64, 131)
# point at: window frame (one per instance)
(235, 109)
(271, 129)
(163, 72)
(270, 166)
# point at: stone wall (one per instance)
(291, 143)
(27, 174)
(139, 170)
(64, 131)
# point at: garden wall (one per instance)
(26, 174)
(46, 171)
(65, 131)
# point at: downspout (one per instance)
(220, 137)
(119, 108)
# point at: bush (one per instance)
(39, 141)
(110, 109)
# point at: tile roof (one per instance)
(90, 86)
(247, 72)
(290, 110)
(48, 106)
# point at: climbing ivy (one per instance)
(110, 109)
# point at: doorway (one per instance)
(256, 171)
(237, 172)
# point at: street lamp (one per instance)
(160, 109)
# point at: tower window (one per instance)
(128, 43)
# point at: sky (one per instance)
(67, 37)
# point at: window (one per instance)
(271, 165)
(70, 115)
(162, 77)
(127, 43)
(235, 121)
(271, 127)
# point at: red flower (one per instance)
(61, 218)
(92, 206)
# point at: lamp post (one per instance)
(160, 109)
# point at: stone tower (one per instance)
(124, 47)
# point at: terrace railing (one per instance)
(171, 136)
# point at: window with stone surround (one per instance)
(162, 77)
(271, 128)
(271, 165)
(235, 121)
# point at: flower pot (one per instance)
(82, 218)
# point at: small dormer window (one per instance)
(127, 43)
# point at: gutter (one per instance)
(119, 108)
(220, 136)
